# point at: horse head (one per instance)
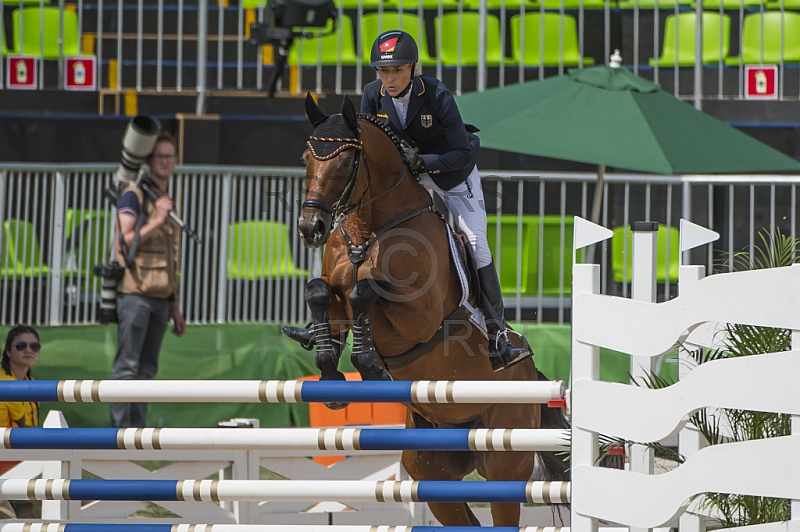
(332, 165)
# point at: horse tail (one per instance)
(553, 465)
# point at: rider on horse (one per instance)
(442, 153)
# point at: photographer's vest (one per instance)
(154, 269)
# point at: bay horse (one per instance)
(388, 276)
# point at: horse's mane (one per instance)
(333, 135)
(383, 126)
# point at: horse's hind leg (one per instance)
(364, 356)
(437, 465)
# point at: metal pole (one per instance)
(202, 54)
(698, 57)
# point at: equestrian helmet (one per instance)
(393, 48)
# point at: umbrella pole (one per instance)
(598, 194)
(597, 202)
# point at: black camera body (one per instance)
(111, 274)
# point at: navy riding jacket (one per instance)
(433, 124)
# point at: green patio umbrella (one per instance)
(608, 116)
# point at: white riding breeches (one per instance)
(465, 202)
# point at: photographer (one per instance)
(147, 294)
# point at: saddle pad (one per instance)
(475, 315)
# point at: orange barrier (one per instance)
(355, 414)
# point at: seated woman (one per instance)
(20, 353)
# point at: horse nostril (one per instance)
(319, 227)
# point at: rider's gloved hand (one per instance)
(412, 158)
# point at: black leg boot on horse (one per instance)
(364, 356)
(318, 296)
(502, 353)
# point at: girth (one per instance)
(459, 315)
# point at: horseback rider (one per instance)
(442, 152)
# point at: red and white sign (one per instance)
(761, 82)
(79, 73)
(21, 72)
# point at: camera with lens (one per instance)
(111, 274)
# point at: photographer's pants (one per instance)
(142, 324)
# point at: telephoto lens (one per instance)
(137, 144)
(108, 302)
(111, 274)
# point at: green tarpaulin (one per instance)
(252, 351)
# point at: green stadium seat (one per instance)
(552, 31)
(777, 27)
(468, 23)
(651, 4)
(666, 268)
(497, 4)
(786, 4)
(426, 4)
(730, 4)
(260, 249)
(576, 4)
(506, 256)
(326, 50)
(88, 234)
(367, 4)
(373, 24)
(40, 32)
(684, 31)
(20, 254)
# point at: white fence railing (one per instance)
(252, 267)
(645, 329)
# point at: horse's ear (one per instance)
(313, 112)
(349, 114)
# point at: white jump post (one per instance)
(689, 439)
(585, 359)
(643, 288)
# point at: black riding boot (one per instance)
(502, 353)
(305, 336)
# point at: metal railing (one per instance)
(251, 267)
(178, 45)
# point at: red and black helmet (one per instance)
(393, 48)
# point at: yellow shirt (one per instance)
(18, 414)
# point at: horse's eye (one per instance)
(348, 162)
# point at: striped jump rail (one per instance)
(274, 391)
(96, 527)
(286, 490)
(303, 439)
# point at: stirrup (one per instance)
(507, 354)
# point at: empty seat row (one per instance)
(556, 31)
(779, 40)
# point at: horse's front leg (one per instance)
(364, 356)
(318, 298)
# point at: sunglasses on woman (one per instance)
(35, 346)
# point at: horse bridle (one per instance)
(342, 208)
(347, 191)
